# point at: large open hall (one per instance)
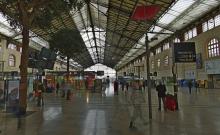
(109, 67)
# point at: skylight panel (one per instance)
(150, 35)
(211, 2)
(182, 5)
(84, 36)
(157, 29)
(87, 44)
(38, 40)
(90, 35)
(168, 31)
(178, 8)
(4, 21)
(166, 19)
(138, 46)
(6, 31)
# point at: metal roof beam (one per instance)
(99, 9)
(124, 36)
(117, 19)
(181, 16)
(93, 29)
(85, 31)
(100, 49)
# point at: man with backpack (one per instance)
(161, 90)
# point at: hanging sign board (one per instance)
(143, 12)
(184, 52)
(100, 73)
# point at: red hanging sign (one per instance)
(145, 12)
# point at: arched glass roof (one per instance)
(109, 34)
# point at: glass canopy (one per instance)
(110, 36)
(177, 16)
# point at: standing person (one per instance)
(196, 85)
(161, 90)
(68, 90)
(57, 88)
(63, 87)
(190, 86)
(127, 85)
(122, 85)
(41, 89)
(107, 81)
(116, 87)
(86, 83)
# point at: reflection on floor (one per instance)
(108, 114)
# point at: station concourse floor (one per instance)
(108, 114)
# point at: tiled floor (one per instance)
(105, 114)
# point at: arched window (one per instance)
(213, 48)
(11, 60)
(158, 50)
(166, 60)
(152, 64)
(158, 63)
(151, 54)
(12, 46)
(176, 40)
(166, 46)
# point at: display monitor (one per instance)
(100, 73)
(48, 54)
(45, 53)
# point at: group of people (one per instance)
(123, 85)
(190, 84)
(39, 89)
(65, 89)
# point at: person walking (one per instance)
(190, 86)
(116, 87)
(161, 92)
(68, 90)
(107, 81)
(40, 99)
(127, 85)
(57, 88)
(196, 85)
(63, 88)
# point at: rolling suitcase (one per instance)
(170, 102)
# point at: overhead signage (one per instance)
(184, 52)
(100, 73)
(45, 59)
(143, 12)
